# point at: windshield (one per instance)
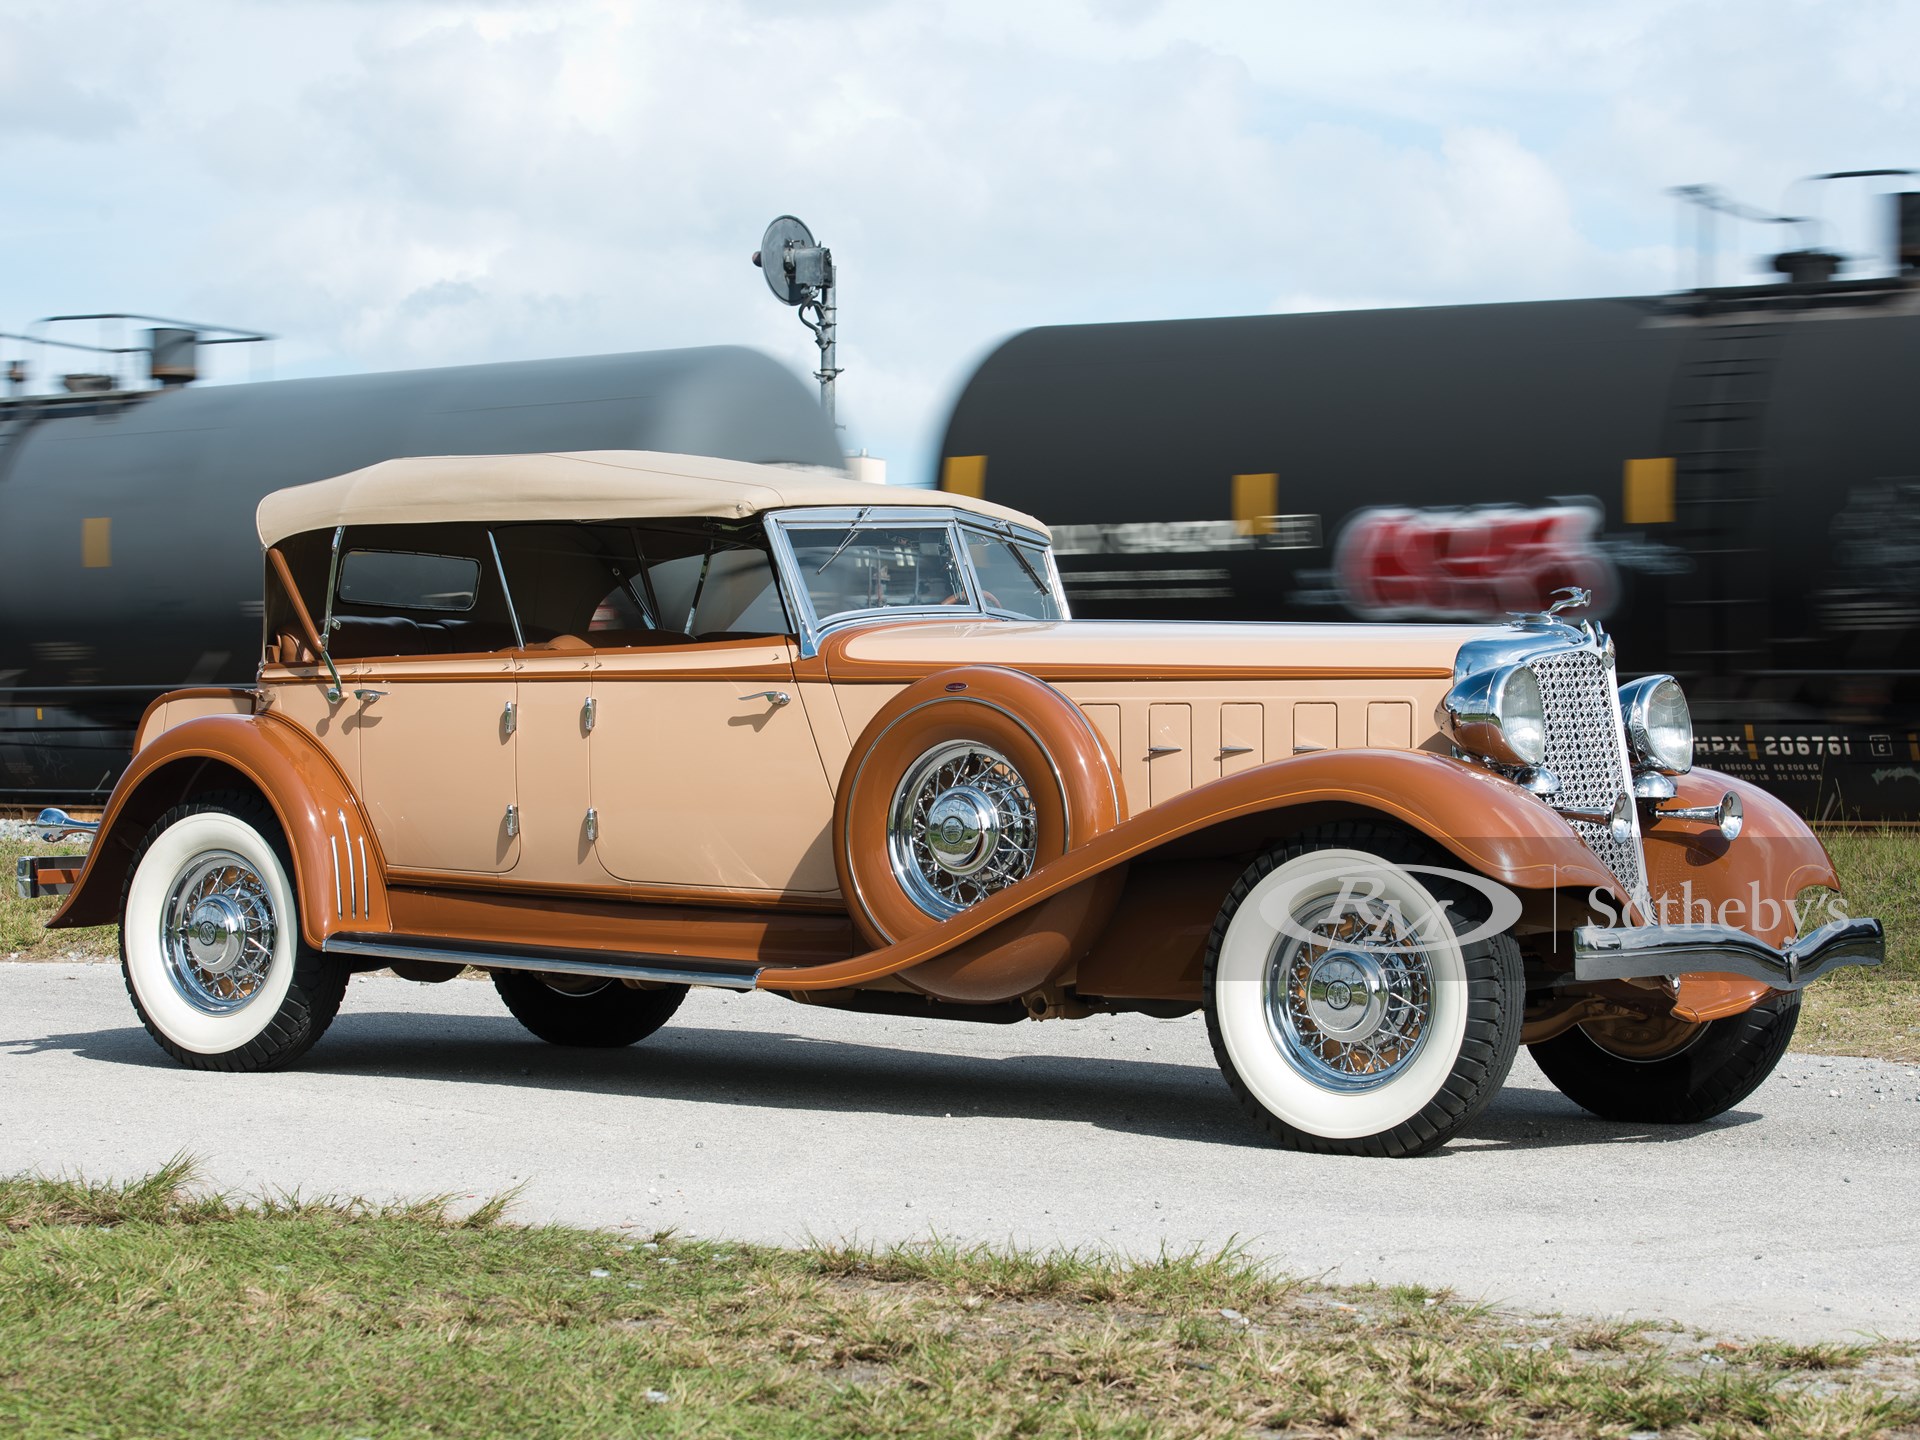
(1012, 576)
(895, 561)
(877, 567)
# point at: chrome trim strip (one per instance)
(61, 824)
(353, 890)
(335, 691)
(366, 880)
(339, 906)
(1641, 952)
(661, 969)
(506, 592)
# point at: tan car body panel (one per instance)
(1215, 730)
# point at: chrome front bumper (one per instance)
(1603, 953)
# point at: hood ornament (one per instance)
(1575, 598)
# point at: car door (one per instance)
(704, 773)
(437, 742)
(432, 698)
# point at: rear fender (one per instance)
(1488, 824)
(339, 871)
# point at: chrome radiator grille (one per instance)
(1586, 749)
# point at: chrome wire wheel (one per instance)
(962, 826)
(1351, 1006)
(217, 932)
(1353, 1003)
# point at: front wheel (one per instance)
(210, 941)
(586, 1012)
(1348, 1009)
(1670, 1072)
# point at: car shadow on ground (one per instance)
(771, 1068)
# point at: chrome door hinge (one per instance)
(587, 716)
(509, 719)
(593, 823)
(513, 821)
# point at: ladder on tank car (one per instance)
(1716, 422)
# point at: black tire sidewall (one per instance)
(1717, 1071)
(612, 1016)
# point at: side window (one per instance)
(726, 590)
(624, 584)
(406, 590)
(409, 580)
(576, 581)
(1014, 577)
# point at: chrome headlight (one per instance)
(1497, 714)
(1659, 724)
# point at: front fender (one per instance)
(1750, 882)
(338, 869)
(1489, 824)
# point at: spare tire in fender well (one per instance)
(1057, 765)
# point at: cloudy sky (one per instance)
(389, 184)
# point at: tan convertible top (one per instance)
(588, 485)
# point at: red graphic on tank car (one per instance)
(1471, 564)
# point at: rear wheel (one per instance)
(586, 1011)
(1350, 1011)
(210, 940)
(1669, 1072)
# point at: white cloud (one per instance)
(413, 183)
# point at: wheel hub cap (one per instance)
(963, 830)
(217, 932)
(1349, 1008)
(962, 826)
(1347, 995)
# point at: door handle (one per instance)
(367, 697)
(775, 698)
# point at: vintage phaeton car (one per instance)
(612, 725)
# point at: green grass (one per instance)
(1856, 1012)
(155, 1310)
(1872, 1012)
(23, 932)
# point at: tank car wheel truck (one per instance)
(611, 725)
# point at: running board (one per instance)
(612, 964)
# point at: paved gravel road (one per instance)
(1797, 1214)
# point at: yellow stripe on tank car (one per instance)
(96, 542)
(1256, 500)
(1646, 491)
(964, 475)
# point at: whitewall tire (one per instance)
(210, 940)
(1357, 1002)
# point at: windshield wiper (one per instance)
(1025, 564)
(852, 530)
